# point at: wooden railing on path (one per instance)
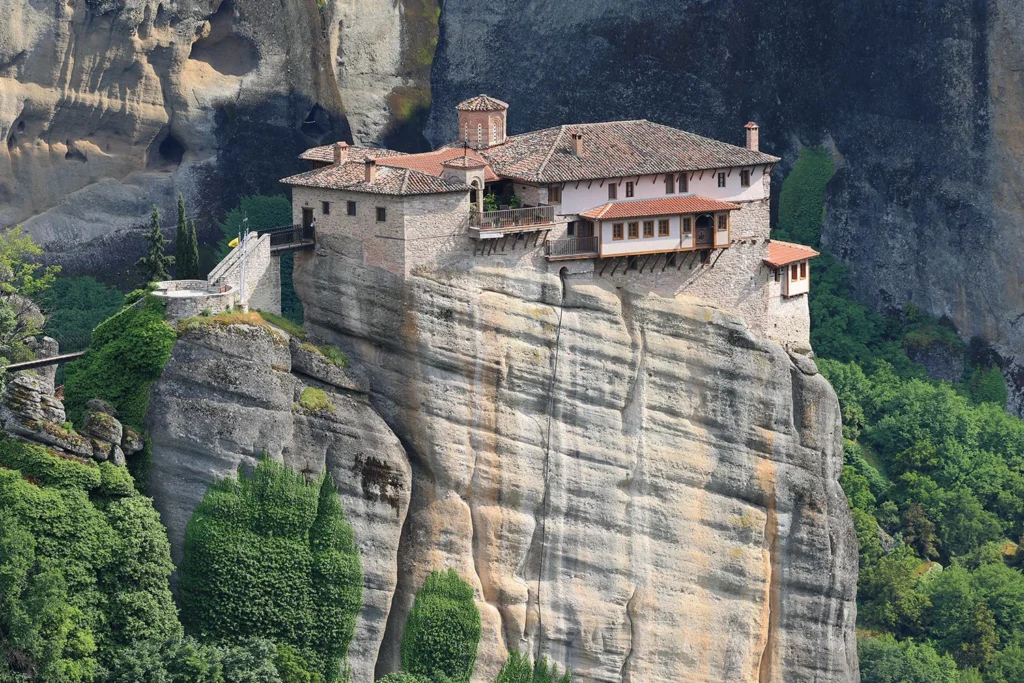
(508, 219)
(43, 362)
(571, 247)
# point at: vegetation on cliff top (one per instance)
(934, 473)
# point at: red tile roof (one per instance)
(389, 180)
(617, 149)
(482, 103)
(326, 153)
(430, 162)
(783, 253)
(669, 206)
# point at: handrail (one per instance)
(572, 246)
(504, 219)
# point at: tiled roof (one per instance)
(668, 206)
(430, 162)
(482, 103)
(389, 180)
(783, 253)
(326, 153)
(617, 149)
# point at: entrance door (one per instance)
(307, 224)
(704, 232)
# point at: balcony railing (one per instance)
(291, 235)
(512, 219)
(572, 247)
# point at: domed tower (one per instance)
(482, 121)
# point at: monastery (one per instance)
(624, 203)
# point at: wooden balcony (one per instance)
(572, 248)
(491, 224)
(291, 237)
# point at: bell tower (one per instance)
(482, 121)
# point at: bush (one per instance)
(313, 399)
(518, 669)
(443, 630)
(272, 556)
(48, 468)
(886, 660)
(83, 574)
(126, 355)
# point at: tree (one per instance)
(272, 556)
(155, 265)
(891, 599)
(186, 245)
(886, 660)
(443, 630)
(22, 280)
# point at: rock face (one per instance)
(635, 486)
(231, 394)
(921, 105)
(107, 106)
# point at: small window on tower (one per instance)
(629, 188)
(612, 190)
(634, 231)
(670, 184)
(351, 206)
(480, 132)
(663, 230)
(382, 214)
(494, 133)
(745, 178)
(803, 270)
(325, 207)
(616, 231)
(554, 194)
(793, 273)
(648, 228)
(684, 186)
(721, 180)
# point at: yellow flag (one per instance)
(233, 243)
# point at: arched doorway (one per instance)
(474, 194)
(704, 231)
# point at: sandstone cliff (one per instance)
(921, 104)
(107, 106)
(231, 394)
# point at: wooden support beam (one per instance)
(616, 266)
(668, 260)
(720, 252)
(503, 243)
(494, 243)
(606, 262)
(590, 183)
(702, 175)
(515, 240)
(645, 264)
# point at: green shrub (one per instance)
(126, 355)
(115, 481)
(47, 467)
(313, 399)
(404, 677)
(886, 660)
(334, 355)
(443, 630)
(272, 556)
(518, 669)
(83, 573)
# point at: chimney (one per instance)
(752, 138)
(340, 150)
(577, 143)
(371, 170)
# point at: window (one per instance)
(723, 222)
(554, 194)
(687, 226)
(612, 193)
(494, 133)
(663, 228)
(629, 188)
(778, 274)
(466, 128)
(721, 180)
(634, 231)
(803, 270)
(479, 132)
(670, 184)
(382, 214)
(616, 231)
(570, 230)
(648, 228)
(793, 273)
(351, 207)
(745, 178)
(684, 186)
(326, 208)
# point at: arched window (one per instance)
(494, 133)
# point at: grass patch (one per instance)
(284, 323)
(315, 399)
(329, 353)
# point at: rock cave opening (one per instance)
(222, 48)
(169, 150)
(317, 123)
(74, 154)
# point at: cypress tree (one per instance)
(193, 251)
(181, 241)
(155, 265)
